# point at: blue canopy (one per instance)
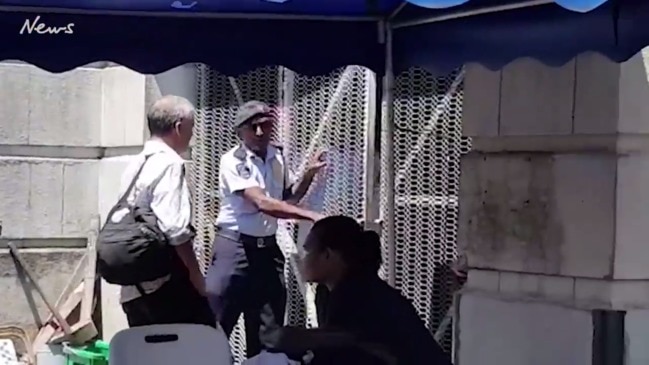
(315, 36)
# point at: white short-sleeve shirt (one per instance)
(241, 169)
(162, 186)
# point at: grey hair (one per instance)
(166, 112)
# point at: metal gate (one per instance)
(427, 147)
(337, 112)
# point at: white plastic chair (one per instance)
(170, 344)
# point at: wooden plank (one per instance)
(72, 285)
(83, 332)
(19, 260)
(65, 309)
(87, 303)
(67, 301)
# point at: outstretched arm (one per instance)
(299, 188)
(240, 181)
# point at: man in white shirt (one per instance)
(255, 188)
(180, 296)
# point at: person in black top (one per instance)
(362, 320)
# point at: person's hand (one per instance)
(460, 267)
(316, 163)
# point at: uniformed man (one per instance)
(256, 188)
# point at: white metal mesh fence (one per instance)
(428, 144)
(328, 112)
(333, 111)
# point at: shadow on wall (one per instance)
(631, 105)
(179, 81)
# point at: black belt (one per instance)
(260, 242)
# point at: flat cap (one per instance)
(250, 110)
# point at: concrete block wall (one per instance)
(522, 332)
(556, 179)
(37, 100)
(554, 210)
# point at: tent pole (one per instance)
(397, 10)
(473, 12)
(370, 210)
(387, 152)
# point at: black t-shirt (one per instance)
(377, 313)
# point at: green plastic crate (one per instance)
(93, 354)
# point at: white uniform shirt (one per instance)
(161, 185)
(241, 169)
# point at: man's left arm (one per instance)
(172, 206)
(296, 189)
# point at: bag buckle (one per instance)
(261, 243)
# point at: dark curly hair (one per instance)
(360, 249)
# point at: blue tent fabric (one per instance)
(149, 40)
(231, 46)
(574, 5)
(547, 33)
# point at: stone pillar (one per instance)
(554, 214)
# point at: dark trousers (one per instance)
(175, 302)
(246, 277)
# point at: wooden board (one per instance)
(88, 301)
(66, 309)
(82, 332)
(72, 285)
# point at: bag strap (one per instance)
(124, 197)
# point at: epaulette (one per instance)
(278, 146)
(240, 153)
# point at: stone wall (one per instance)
(554, 212)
